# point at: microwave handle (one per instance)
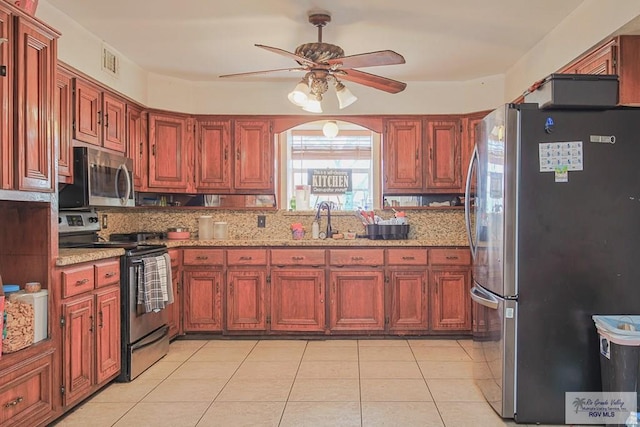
(122, 168)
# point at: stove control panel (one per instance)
(73, 221)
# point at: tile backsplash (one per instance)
(446, 226)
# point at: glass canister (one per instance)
(220, 231)
(205, 227)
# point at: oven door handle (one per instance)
(123, 168)
(144, 343)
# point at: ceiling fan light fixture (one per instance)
(299, 95)
(312, 106)
(345, 97)
(330, 129)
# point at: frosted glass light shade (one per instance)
(312, 106)
(330, 129)
(345, 97)
(299, 95)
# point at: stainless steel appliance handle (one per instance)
(484, 298)
(467, 201)
(123, 167)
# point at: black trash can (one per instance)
(619, 342)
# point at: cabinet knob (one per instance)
(81, 282)
(14, 402)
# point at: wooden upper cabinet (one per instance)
(169, 152)
(618, 55)
(137, 145)
(253, 164)
(443, 156)
(6, 104)
(35, 75)
(470, 129)
(598, 61)
(87, 104)
(99, 117)
(403, 157)
(113, 123)
(62, 125)
(213, 156)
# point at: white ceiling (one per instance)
(452, 40)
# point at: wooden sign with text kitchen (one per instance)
(330, 181)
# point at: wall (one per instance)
(590, 23)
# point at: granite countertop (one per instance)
(75, 256)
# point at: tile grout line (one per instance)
(226, 383)
(295, 377)
(427, 384)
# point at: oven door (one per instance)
(139, 322)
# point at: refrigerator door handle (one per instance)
(467, 201)
(483, 298)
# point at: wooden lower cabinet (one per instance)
(26, 393)
(357, 300)
(408, 312)
(450, 300)
(202, 301)
(245, 299)
(174, 311)
(297, 300)
(91, 344)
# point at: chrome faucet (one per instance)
(325, 206)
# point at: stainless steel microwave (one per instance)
(99, 179)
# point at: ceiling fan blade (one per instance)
(370, 59)
(372, 80)
(300, 59)
(250, 73)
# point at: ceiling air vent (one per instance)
(110, 62)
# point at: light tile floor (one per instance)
(392, 382)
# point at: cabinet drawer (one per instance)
(450, 256)
(349, 257)
(312, 257)
(414, 256)
(203, 257)
(76, 280)
(107, 273)
(26, 392)
(246, 256)
(174, 254)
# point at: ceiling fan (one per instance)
(324, 61)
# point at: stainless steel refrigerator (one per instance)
(553, 216)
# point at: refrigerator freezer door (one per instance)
(494, 349)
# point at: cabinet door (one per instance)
(113, 123)
(169, 155)
(599, 61)
(6, 104)
(78, 352)
(254, 166)
(297, 300)
(62, 126)
(137, 145)
(402, 161)
(450, 301)
(213, 156)
(202, 305)
(357, 300)
(408, 301)
(246, 300)
(27, 391)
(88, 114)
(173, 310)
(35, 80)
(443, 156)
(471, 129)
(107, 334)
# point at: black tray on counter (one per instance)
(388, 231)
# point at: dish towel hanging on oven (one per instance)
(167, 261)
(164, 270)
(152, 284)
